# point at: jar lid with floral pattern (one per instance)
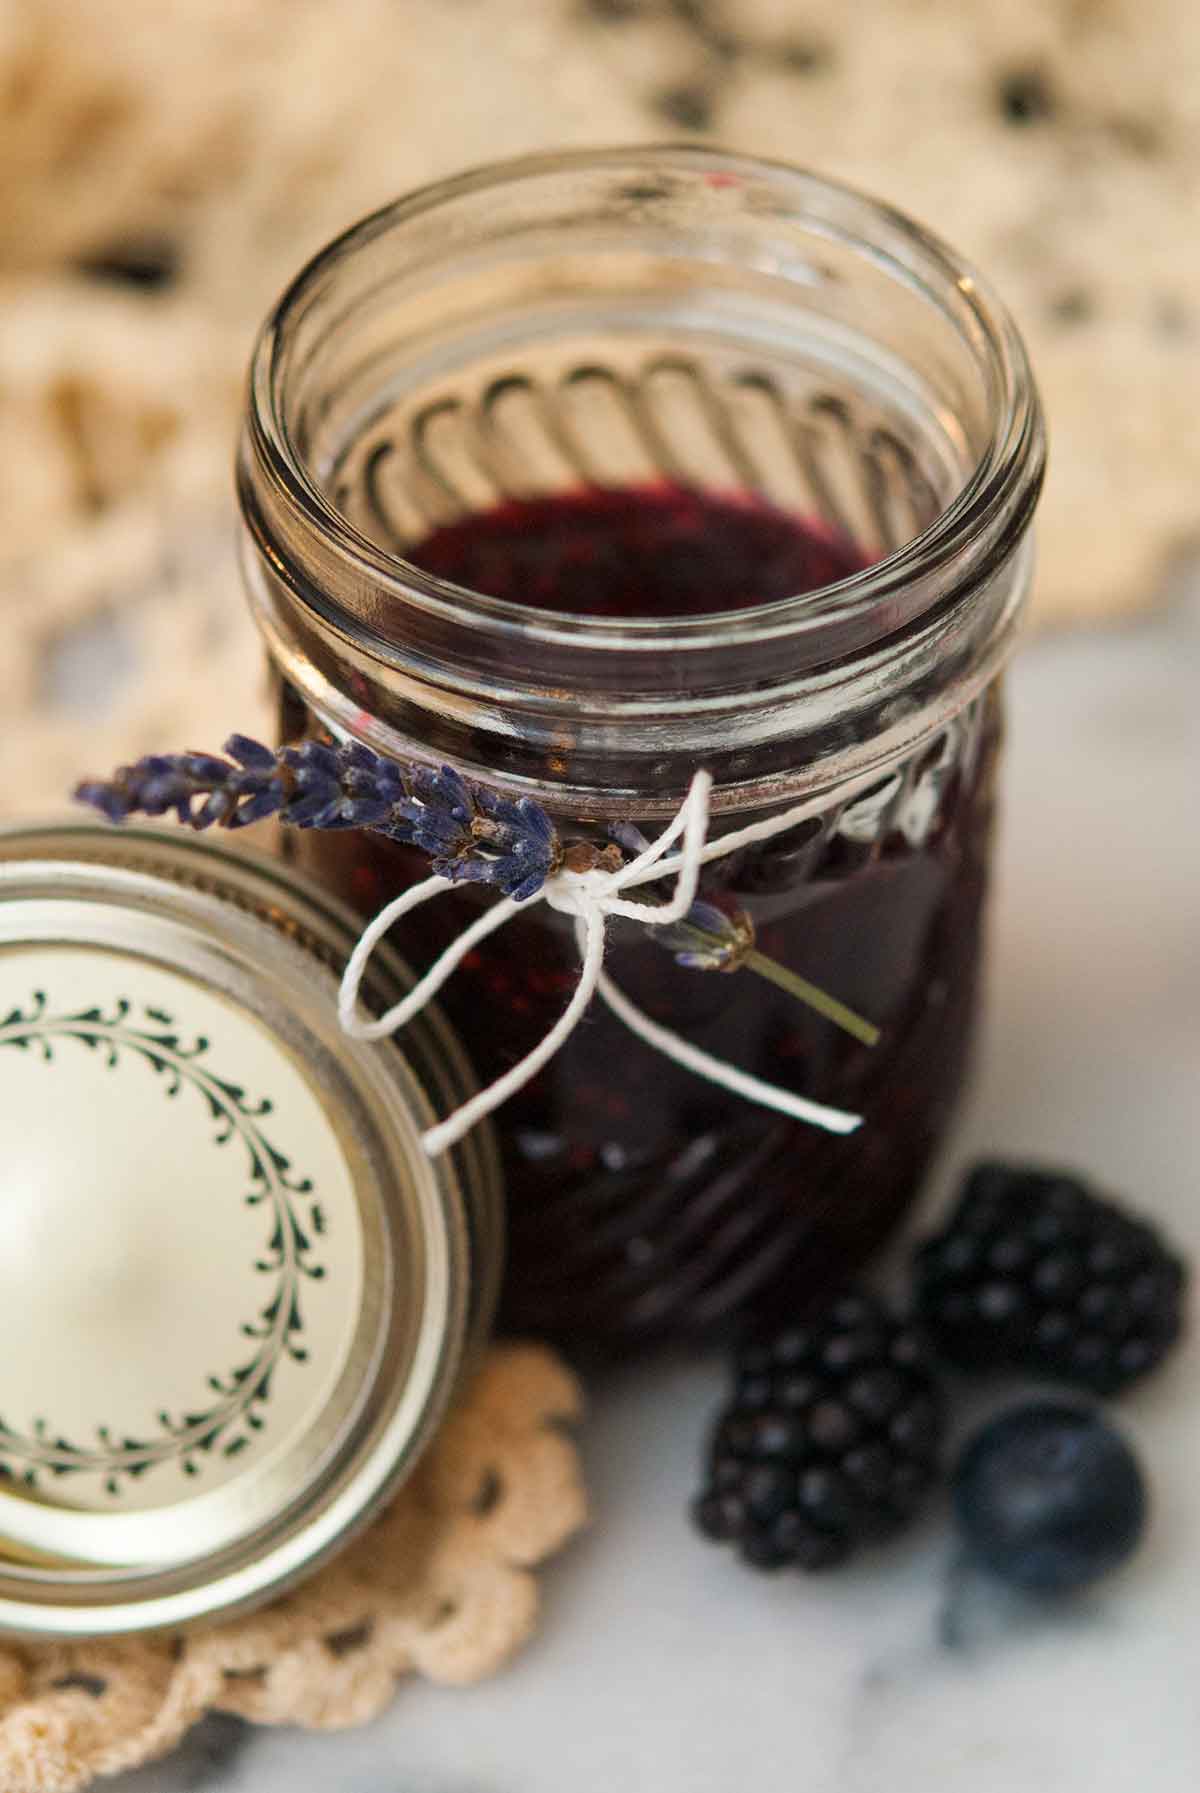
(236, 1294)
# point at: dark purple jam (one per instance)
(644, 1202)
(660, 550)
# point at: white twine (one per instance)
(591, 898)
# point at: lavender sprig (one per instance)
(470, 833)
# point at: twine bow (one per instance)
(591, 898)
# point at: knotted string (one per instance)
(591, 898)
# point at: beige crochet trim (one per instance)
(440, 1586)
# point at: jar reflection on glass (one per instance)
(612, 331)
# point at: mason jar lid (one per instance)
(237, 1294)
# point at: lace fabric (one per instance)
(442, 1585)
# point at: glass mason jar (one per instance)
(677, 320)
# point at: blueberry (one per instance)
(1049, 1497)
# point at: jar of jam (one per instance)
(583, 472)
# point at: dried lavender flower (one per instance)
(707, 939)
(471, 834)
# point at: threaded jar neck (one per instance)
(607, 318)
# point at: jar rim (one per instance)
(1003, 484)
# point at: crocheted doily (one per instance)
(441, 1585)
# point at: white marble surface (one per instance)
(660, 1665)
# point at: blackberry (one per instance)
(831, 1438)
(1035, 1272)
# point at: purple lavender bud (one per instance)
(407, 809)
(537, 820)
(468, 871)
(707, 939)
(258, 807)
(353, 812)
(397, 827)
(250, 753)
(110, 801)
(627, 836)
(505, 810)
(216, 808)
(527, 888)
(205, 768)
(365, 812)
(358, 779)
(444, 791)
(513, 874)
(161, 793)
(436, 833)
(313, 756)
(303, 810)
(314, 778)
(249, 784)
(388, 779)
(357, 753)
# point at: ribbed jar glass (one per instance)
(688, 329)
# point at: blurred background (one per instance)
(164, 167)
